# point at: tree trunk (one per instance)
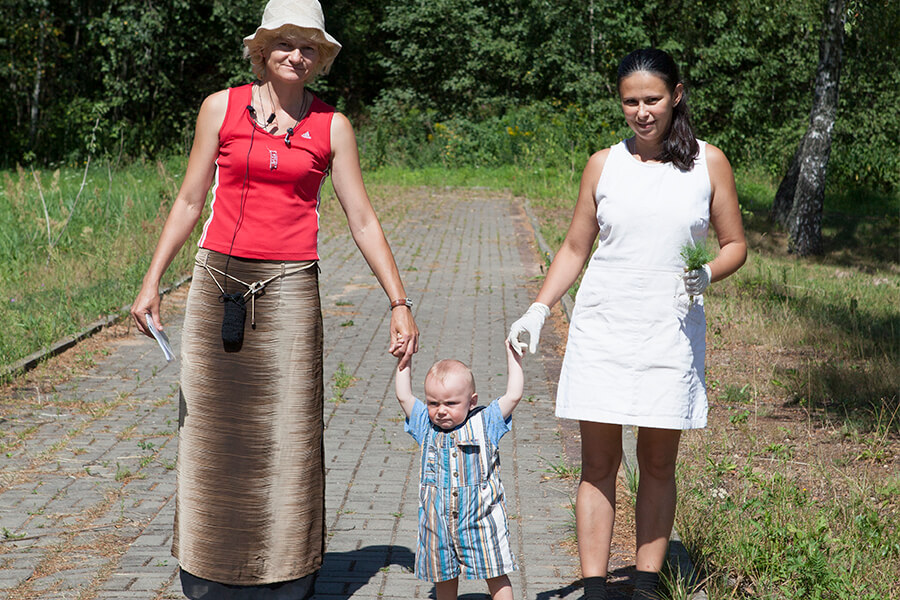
(36, 91)
(591, 18)
(35, 107)
(801, 194)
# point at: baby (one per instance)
(462, 509)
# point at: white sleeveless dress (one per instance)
(636, 346)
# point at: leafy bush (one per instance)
(546, 134)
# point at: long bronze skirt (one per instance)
(250, 498)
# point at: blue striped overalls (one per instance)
(462, 509)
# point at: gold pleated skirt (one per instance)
(250, 497)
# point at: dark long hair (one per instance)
(679, 146)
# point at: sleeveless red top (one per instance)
(265, 193)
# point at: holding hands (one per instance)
(531, 323)
(404, 341)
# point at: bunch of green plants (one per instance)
(696, 255)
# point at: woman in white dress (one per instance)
(636, 346)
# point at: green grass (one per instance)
(782, 519)
(91, 263)
(784, 541)
(341, 380)
(844, 323)
(536, 183)
(562, 470)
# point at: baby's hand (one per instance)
(511, 354)
(515, 381)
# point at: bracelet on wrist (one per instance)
(401, 302)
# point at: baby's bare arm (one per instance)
(515, 382)
(403, 388)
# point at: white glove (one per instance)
(530, 323)
(696, 281)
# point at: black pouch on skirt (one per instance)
(233, 321)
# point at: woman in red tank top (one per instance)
(249, 513)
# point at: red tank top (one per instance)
(265, 194)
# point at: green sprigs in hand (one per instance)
(696, 255)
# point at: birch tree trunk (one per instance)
(800, 198)
(36, 91)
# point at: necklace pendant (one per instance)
(273, 160)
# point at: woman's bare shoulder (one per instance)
(212, 111)
(595, 163)
(216, 102)
(716, 159)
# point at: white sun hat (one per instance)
(306, 14)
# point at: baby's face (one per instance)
(449, 401)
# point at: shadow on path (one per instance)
(344, 573)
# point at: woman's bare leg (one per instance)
(595, 505)
(657, 451)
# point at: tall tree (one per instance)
(801, 195)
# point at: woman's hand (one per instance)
(404, 340)
(531, 323)
(696, 281)
(147, 301)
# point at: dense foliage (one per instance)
(132, 73)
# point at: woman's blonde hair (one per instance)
(256, 48)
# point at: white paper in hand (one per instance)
(161, 338)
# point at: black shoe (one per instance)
(594, 588)
(645, 585)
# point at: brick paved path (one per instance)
(86, 496)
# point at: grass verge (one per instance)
(70, 257)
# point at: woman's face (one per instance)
(648, 105)
(289, 58)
